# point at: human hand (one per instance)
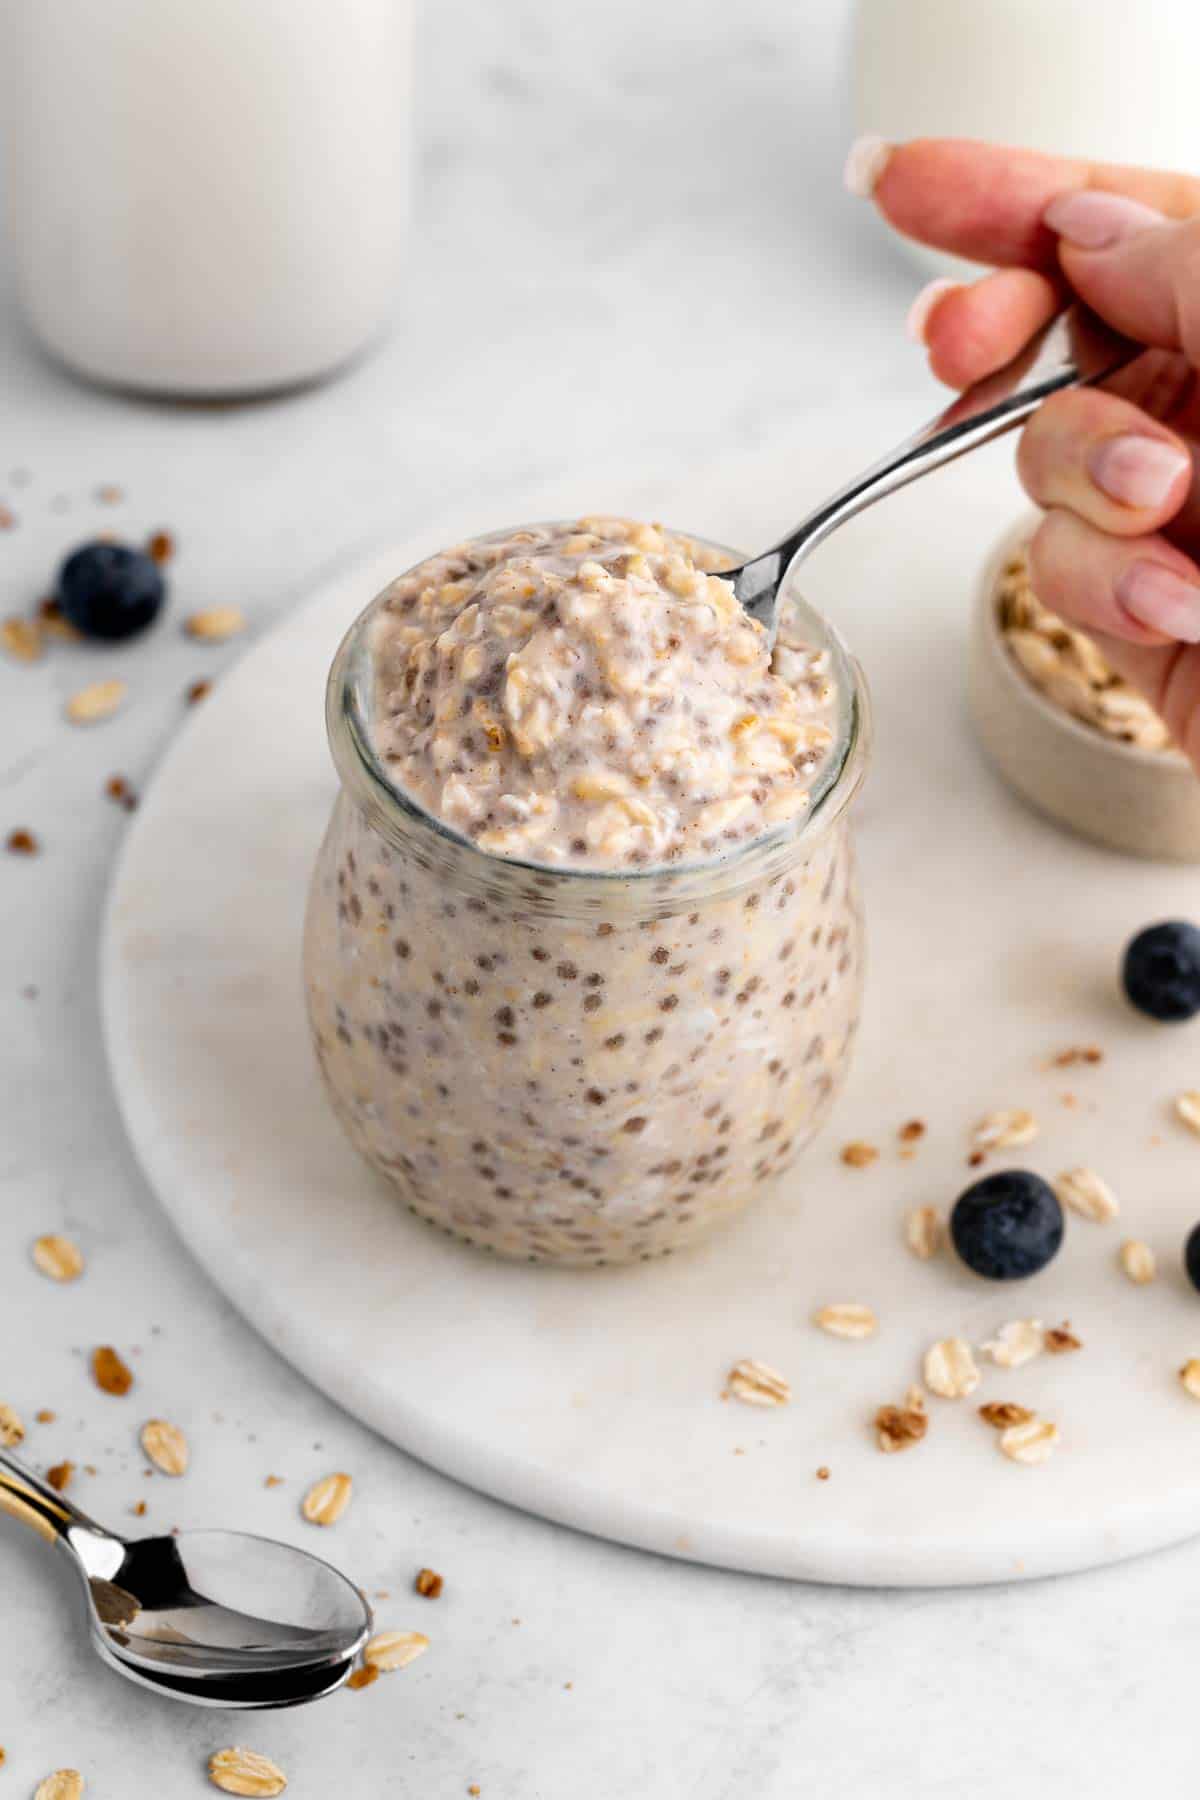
(1118, 551)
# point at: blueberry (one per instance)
(1191, 1256)
(1161, 971)
(110, 591)
(1007, 1225)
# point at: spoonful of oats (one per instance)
(1075, 350)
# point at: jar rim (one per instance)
(397, 815)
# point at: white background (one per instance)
(631, 242)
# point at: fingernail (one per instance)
(866, 160)
(1137, 471)
(1156, 596)
(1095, 221)
(923, 305)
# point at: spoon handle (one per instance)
(1074, 350)
(23, 1496)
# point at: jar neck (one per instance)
(568, 891)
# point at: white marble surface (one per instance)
(594, 179)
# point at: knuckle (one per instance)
(1047, 559)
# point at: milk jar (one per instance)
(207, 197)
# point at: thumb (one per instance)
(1137, 269)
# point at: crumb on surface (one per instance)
(118, 789)
(859, 1155)
(1077, 1053)
(110, 1373)
(1060, 1338)
(21, 842)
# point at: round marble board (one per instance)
(595, 1398)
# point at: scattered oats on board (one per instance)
(327, 1499)
(238, 1771)
(166, 1446)
(21, 639)
(64, 1784)
(1015, 1343)
(12, 1428)
(1138, 1261)
(109, 1372)
(924, 1230)
(757, 1383)
(847, 1319)
(949, 1369)
(389, 1650)
(1187, 1108)
(1030, 1442)
(1085, 1193)
(900, 1427)
(1003, 1413)
(858, 1155)
(57, 1257)
(216, 623)
(98, 701)
(1190, 1376)
(1004, 1130)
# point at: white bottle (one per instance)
(1095, 78)
(207, 197)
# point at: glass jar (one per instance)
(207, 197)
(579, 1066)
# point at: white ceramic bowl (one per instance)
(1143, 802)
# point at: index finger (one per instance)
(985, 202)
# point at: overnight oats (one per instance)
(584, 944)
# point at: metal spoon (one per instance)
(1074, 350)
(219, 1618)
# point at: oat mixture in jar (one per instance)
(583, 950)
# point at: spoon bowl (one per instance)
(220, 1618)
(210, 1604)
